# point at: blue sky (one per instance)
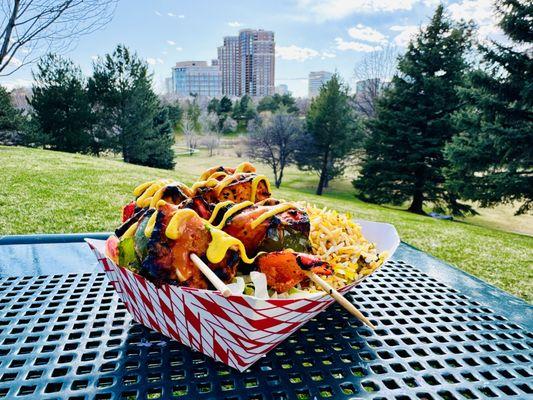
(310, 34)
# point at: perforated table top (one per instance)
(68, 337)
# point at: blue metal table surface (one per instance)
(442, 334)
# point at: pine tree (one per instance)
(11, 120)
(404, 149)
(126, 105)
(161, 154)
(61, 110)
(492, 158)
(332, 128)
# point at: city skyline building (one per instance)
(196, 78)
(315, 81)
(230, 67)
(282, 89)
(247, 63)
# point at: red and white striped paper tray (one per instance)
(237, 330)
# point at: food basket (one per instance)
(237, 330)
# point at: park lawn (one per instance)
(52, 192)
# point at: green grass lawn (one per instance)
(51, 192)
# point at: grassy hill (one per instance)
(51, 192)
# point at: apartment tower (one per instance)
(230, 66)
(316, 80)
(247, 63)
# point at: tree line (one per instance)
(455, 123)
(113, 110)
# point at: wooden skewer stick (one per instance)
(210, 275)
(339, 298)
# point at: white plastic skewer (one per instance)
(210, 275)
(339, 298)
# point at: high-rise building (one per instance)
(316, 80)
(168, 86)
(282, 89)
(230, 66)
(247, 63)
(196, 78)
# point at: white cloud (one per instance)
(407, 32)
(355, 46)
(160, 61)
(294, 52)
(366, 34)
(181, 16)
(337, 9)
(327, 54)
(179, 48)
(171, 14)
(16, 83)
(171, 42)
(151, 61)
(235, 24)
(158, 13)
(481, 11)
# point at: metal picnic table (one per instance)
(442, 334)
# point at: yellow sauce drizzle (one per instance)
(217, 209)
(233, 210)
(216, 175)
(245, 167)
(145, 199)
(200, 184)
(223, 183)
(255, 182)
(275, 210)
(149, 229)
(141, 188)
(130, 231)
(220, 244)
(173, 227)
(157, 196)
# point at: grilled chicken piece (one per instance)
(168, 261)
(289, 229)
(284, 269)
(208, 172)
(243, 167)
(174, 193)
(198, 204)
(238, 190)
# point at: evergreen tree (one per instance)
(11, 120)
(243, 110)
(332, 129)
(404, 149)
(61, 109)
(161, 154)
(274, 103)
(224, 106)
(492, 158)
(122, 95)
(175, 113)
(213, 105)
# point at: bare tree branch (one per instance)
(372, 75)
(37, 26)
